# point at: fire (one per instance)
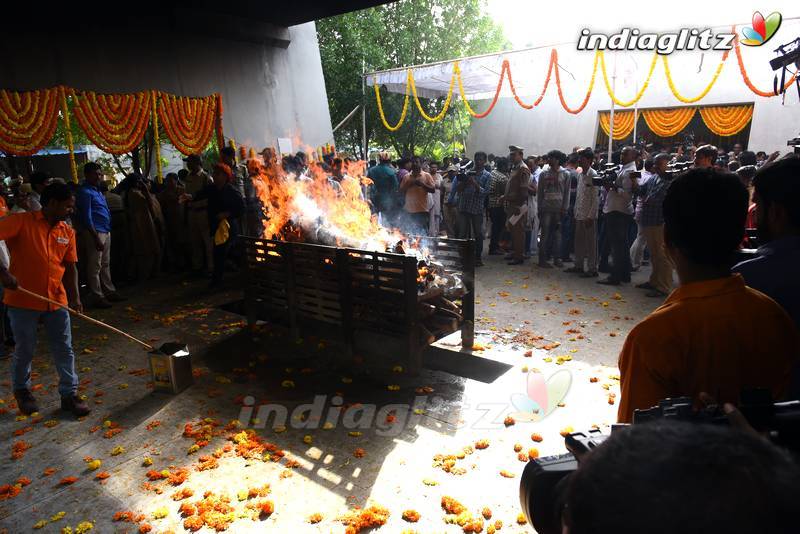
(310, 207)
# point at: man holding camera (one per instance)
(713, 334)
(618, 210)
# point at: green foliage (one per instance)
(403, 33)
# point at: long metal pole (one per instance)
(364, 109)
(611, 115)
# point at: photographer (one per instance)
(618, 210)
(712, 333)
(668, 477)
(705, 156)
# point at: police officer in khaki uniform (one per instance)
(515, 198)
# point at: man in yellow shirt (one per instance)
(713, 334)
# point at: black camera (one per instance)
(607, 176)
(543, 484)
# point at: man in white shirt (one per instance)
(587, 201)
(637, 249)
(618, 212)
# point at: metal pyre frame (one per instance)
(370, 298)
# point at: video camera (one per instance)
(544, 481)
(607, 176)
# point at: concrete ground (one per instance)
(528, 318)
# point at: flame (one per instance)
(309, 207)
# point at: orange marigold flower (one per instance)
(156, 475)
(359, 453)
(18, 449)
(521, 519)
(482, 444)
(66, 481)
(23, 481)
(315, 518)
(125, 516)
(506, 474)
(144, 528)
(517, 447)
(48, 471)
(102, 475)
(536, 437)
(452, 506)
(522, 457)
(372, 517)
(533, 453)
(412, 516)
(486, 512)
(8, 491)
(508, 421)
(193, 523)
(183, 493)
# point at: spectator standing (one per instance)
(553, 195)
(449, 209)
(95, 221)
(587, 200)
(199, 234)
(38, 180)
(713, 333)
(146, 226)
(43, 256)
(705, 156)
(567, 222)
(618, 212)
(515, 198)
(436, 210)
(532, 223)
(497, 213)
(637, 249)
(384, 189)
(416, 185)
(471, 190)
(174, 225)
(652, 196)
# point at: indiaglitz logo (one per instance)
(543, 396)
(762, 29)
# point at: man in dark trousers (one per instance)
(43, 260)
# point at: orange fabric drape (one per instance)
(668, 122)
(115, 123)
(189, 122)
(623, 123)
(27, 120)
(726, 120)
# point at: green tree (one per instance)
(407, 32)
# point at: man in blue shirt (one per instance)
(383, 192)
(775, 271)
(94, 219)
(469, 195)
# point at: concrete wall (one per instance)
(549, 126)
(268, 91)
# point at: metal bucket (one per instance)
(171, 367)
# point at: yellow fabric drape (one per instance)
(623, 123)
(726, 120)
(668, 122)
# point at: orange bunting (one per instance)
(190, 122)
(623, 123)
(115, 123)
(668, 122)
(27, 120)
(726, 120)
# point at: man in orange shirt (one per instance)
(713, 334)
(43, 257)
(416, 185)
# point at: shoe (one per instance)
(655, 293)
(75, 405)
(26, 402)
(558, 263)
(609, 282)
(515, 262)
(574, 270)
(115, 297)
(645, 285)
(592, 274)
(545, 265)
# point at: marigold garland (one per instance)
(588, 91)
(668, 122)
(68, 129)
(443, 112)
(623, 123)
(27, 120)
(726, 120)
(188, 122)
(639, 94)
(405, 103)
(115, 123)
(156, 140)
(705, 91)
(218, 122)
(469, 109)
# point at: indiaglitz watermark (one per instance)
(390, 420)
(662, 43)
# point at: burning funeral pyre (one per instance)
(315, 208)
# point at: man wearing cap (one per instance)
(383, 192)
(199, 233)
(515, 198)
